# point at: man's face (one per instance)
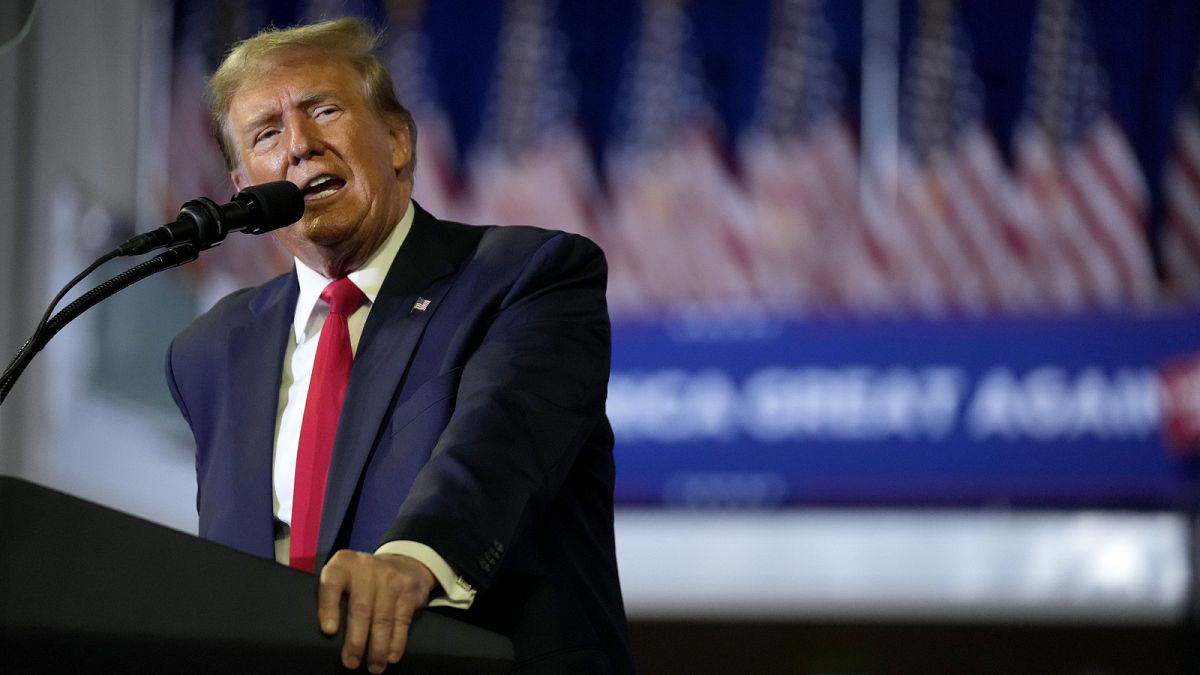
(305, 120)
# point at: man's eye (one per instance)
(265, 135)
(325, 111)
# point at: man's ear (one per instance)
(402, 149)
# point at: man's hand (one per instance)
(385, 591)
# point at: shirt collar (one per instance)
(369, 278)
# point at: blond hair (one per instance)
(350, 39)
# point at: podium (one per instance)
(86, 589)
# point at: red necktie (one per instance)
(326, 389)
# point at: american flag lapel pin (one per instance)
(421, 304)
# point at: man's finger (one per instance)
(358, 621)
(399, 638)
(333, 583)
(381, 628)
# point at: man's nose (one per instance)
(304, 142)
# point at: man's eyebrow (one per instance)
(270, 112)
(259, 119)
(314, 96)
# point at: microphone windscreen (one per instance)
(277, 204)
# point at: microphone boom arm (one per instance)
(172, 257)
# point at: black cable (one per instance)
(173, 257)
(23, 355)
(50, 326)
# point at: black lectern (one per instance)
(87, 589)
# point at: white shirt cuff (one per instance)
(457, 592)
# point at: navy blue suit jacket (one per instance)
(476, 426)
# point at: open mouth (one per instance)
(322, 186)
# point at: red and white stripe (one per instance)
(785, 240)
(1181, 240)
(923, 206)
(858, 267)
(916, 264)
(975, 182)
(1109, 191)
(549, 184)
(1077, 265)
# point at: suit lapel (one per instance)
(420, 272)
(256, 349)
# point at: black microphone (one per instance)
(257, 209)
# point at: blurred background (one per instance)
(905, 295)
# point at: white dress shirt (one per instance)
(298, 360)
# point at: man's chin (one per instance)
(325, 230)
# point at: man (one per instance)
(471, 460)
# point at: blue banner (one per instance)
(753, 411)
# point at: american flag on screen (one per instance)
(674, 202)
(809, 248)
(951, 184)
(532, 166)
(956, 198)
(406, 54)
(1085, 191)
(1181, 238)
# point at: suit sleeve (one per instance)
(531, 394)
